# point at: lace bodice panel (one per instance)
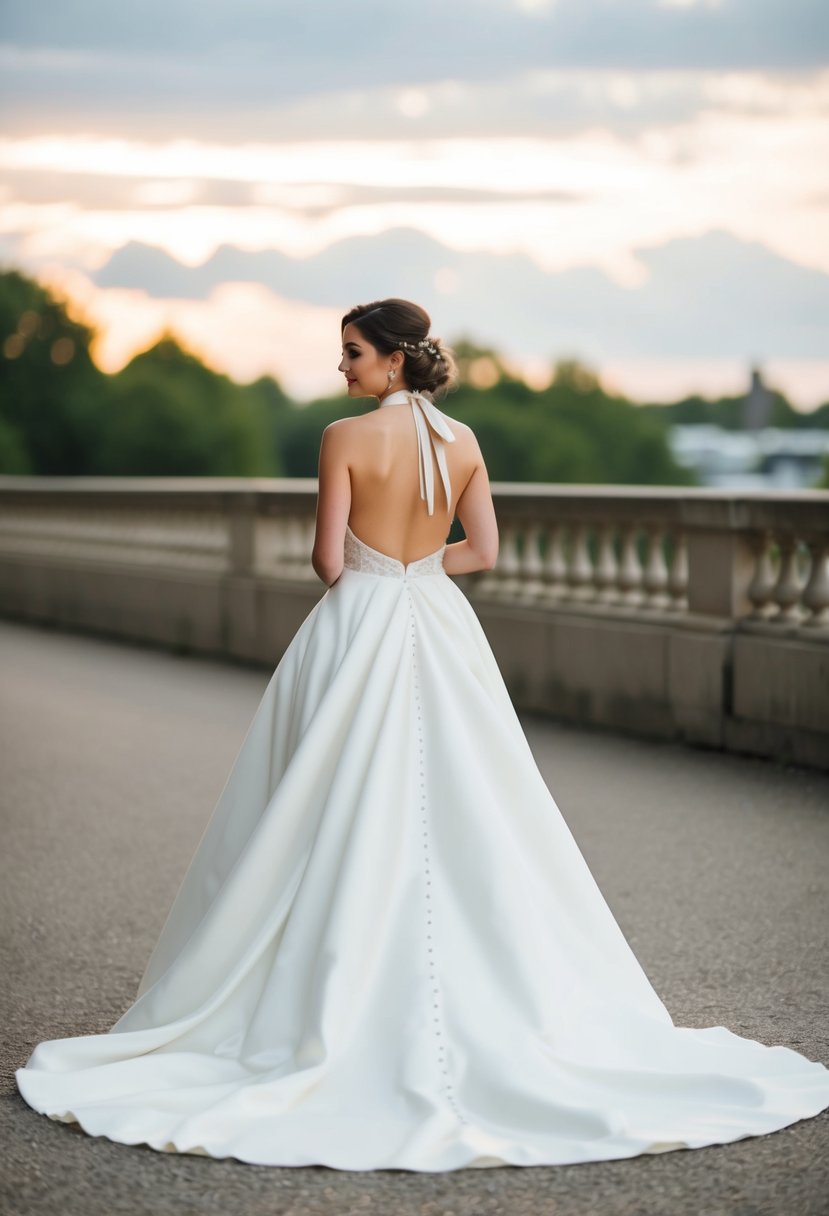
(360, 556)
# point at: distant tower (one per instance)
(757, 403)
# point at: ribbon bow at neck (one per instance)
(432, 431)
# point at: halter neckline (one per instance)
(432, 428)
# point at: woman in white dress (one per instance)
(387, 951)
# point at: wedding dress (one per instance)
(387, 950)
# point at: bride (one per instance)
(387, 951)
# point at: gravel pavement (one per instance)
(112, 757)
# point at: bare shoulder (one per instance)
(339, 426)
(344, 439)
(354, 429)
(351, 424)
(338, 434)
(464, 436)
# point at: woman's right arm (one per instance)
(476, 511)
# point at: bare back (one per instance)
(387, 511)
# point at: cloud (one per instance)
(114, 193)
(110, 192)
(545, 160)
(240, 329)
(711, 297)
(706, 309)
(544, 102)
(750, 162)
(473, 36)
(169, 66)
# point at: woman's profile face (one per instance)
(365, 369)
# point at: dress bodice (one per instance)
(360, 556)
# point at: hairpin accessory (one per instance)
(424, 344)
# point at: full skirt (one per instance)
(388, 951)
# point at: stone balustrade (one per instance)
(664, 551)
(674, 613)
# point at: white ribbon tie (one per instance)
(433, 431)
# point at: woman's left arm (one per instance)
(333, 502)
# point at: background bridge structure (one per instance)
(683, 614)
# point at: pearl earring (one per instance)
(392, 374)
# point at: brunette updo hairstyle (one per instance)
(388, 324)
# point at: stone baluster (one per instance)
(761, 587)
(678, 575)
(788, 589)
(630, 567)
(241, 531)
(815, 595)
(296, 549)
(580, 572)
(268, 546)
(281, 564)
(554, 564)
(606, 572)
(509, 562)
(655, 574)
(532, 567)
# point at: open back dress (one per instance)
(388, 951)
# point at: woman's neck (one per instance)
(392, 389)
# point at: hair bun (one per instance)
(393, 324)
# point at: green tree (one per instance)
(14, 456)
(169, 415)
(49, 386)
(818, 417)
(267, 398)
(478, 366)
(628, 446)
(571, 432)
(727, 412)
(166, 413)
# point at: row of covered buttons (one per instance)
(442, 1057)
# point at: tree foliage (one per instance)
(49, 386)
(167, 414)
(727, 412)
(164, 414)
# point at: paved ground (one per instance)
(113, 756)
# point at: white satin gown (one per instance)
(387, 951)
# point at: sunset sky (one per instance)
(642, 184)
